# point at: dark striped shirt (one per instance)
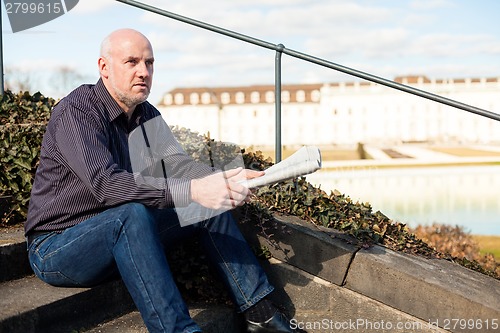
(85, 165)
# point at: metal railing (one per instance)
(281, 49)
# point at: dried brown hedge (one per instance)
(458, 245)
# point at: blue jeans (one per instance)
(130, 241)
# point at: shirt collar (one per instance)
(109, 102)
(111, 105)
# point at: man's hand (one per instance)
(222, 190)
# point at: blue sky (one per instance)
(437, 38)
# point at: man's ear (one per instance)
(102, 63)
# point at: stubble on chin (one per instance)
(131, 100)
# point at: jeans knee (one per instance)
(136, 215)
(220, 223)
(135, 208)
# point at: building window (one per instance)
(179, 99)
(240, 97)
(255, 97)
(205, 98)
(269, 97)
(168, 99)
(300, 96)
(315, 96)
(194, 98)
(285, 96)
(225, 98)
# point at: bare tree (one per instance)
(17, 79)
(65, 79)
(55, 82)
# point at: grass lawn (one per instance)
(464, 151)
(332, 154)
(342, 154)
(489, 244)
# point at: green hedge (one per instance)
(22, 123)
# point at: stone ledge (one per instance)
(428, 289)
(324, 307)
(319, 251)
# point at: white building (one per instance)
(342, 113)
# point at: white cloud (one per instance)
(430, 4)
(286, 20)
(413, 20)
(451, 45)
(375, 43)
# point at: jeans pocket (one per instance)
(54, 278)
(43, 264)
(38, 241)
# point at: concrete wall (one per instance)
(329, 279)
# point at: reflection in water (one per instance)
(466, 196)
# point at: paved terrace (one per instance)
(417, 155)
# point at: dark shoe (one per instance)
(278, 323)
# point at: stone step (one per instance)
(321, 279)
(30, 305)
(320, 306)
(128, 323)
(27, 304)
(14, 262)
(210, 318)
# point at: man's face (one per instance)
(129, 71)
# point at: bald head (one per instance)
(118, 37)
(126, 67)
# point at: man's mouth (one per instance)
(141, 85)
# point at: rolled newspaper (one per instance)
(304, 161)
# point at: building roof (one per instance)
(241, 94)
(292, 93)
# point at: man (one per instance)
(90, 219)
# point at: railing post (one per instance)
(277, 101)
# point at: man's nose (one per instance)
(143, 69)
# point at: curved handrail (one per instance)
(281, 49)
